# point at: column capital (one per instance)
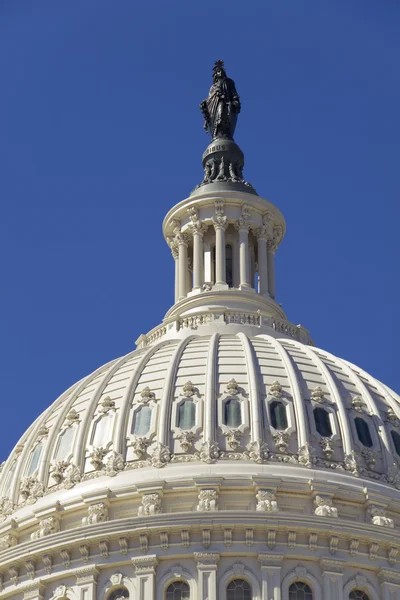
(86, 575)
(220, 222)
(330, 565)
(261, 233)
(34, 590)
(270, 559)
(181, 239)
(145, 564)
(198, 227)
(206, 559)
(389, 576)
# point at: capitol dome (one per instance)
(226, 457)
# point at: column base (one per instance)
(247, 287)
(220, 285)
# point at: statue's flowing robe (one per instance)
(222, 112)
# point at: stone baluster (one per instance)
(270, 576)
(145, 570)
(220, 223)
(243, 226)
(207, 564)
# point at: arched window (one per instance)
(187, 415)
(232, 413)
(277, 413)
(300, 591)
(229, 265)
(322, 422)
(35, 457)
(178, 590)
(358, 595)
(238, 589)
(118, 594)
(65, 443)
(142, 421)
(103, 430)
(396, 441)
(363, 432)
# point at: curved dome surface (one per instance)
(210, 398)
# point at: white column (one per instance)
(86, 580)
(207, 263)
(332, 577)
(270, 576)
(145, 570)
(207, 575)
(244, 255)
(220, 223)
(220, 266)
(181, 240)
(271, 247)
(262, 261)
(198, 263)
(189, 280)
(175, 254)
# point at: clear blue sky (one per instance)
(100, 134)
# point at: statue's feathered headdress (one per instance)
(219, 65)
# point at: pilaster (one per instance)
(332, 577)
(270, 576)
(86, 581)
(207, 564)
(390, 584)
(145, 570)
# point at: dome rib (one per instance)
(294, 384)
(55, 429)
(168, 389)
(333, 390)
(82, 438)
(210, 389)
(255, 396)
(380, 430)
(121, 429)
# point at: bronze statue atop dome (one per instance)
(222, 106)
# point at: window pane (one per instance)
(65, 443)
(103, 431)
(35, 460)
(277, 413)
(363, 432)
(322, 422)
(10, 474)
(238, 589)
(396, 441)
(178, 590)
(142, 421)
(118, 594)
(187, 415)
(358, 595)
(229, 264)
(232, 416)
(300, 591)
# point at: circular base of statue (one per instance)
(223, 163)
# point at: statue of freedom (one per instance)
(220, 109)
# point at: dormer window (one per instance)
(277, 414)
(363, 432)
(322, 422)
